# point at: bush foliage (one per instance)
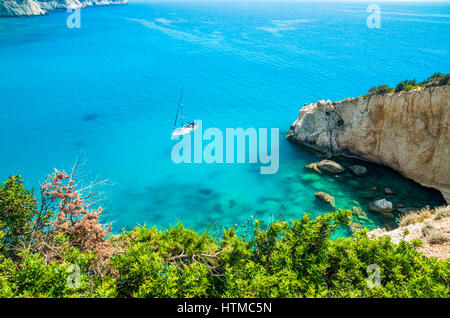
(283, 259)
(437, 79)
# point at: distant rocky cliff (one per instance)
(11, 8)
(408, 131)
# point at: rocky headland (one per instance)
(12, 8)
(408, 131)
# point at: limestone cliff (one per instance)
(11, 8)
(407, 131)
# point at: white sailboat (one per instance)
(184, 128)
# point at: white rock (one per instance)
(40, 7)
(382, 205)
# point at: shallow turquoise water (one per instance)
(109, 91)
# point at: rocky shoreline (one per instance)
(15, 8)
(429, 225)
(432, 227)
(407, 131)
(384, 209)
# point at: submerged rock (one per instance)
(388, 225)
(91, 117)
(358, 170)
(313, 166)
(360, 214)
(325, 197)
(205, 191)
(330, 166)
(387, 215)
(388, 191)
(381, 206)
(406, 210)
(355, 226)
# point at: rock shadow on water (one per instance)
(91, 117)
(79, 144)
(193, 204)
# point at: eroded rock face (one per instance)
(11, 8)
(407, 131)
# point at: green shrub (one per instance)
(284, 259)
(411, 87)
(437, 79)
(401, 86)
(433, 80)
(18, 208)
(445, 80)
(379, 90)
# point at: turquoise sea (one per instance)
(108, 92)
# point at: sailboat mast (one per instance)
(178, 109)
(181, 109)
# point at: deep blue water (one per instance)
(109, 90)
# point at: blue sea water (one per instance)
(108, 92)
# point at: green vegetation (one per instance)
(41, 239)
(437, 79)
(406, 85)
(379, 90)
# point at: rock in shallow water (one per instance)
(325, 197)
(313, 166)
(407, 210)
(355, 226)
(330, 166)
(358, 170)
(387, 215)
(360, 214)
(381, 206)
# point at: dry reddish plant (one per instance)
(67, 208)
(71, 204)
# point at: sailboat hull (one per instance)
(183, 130)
